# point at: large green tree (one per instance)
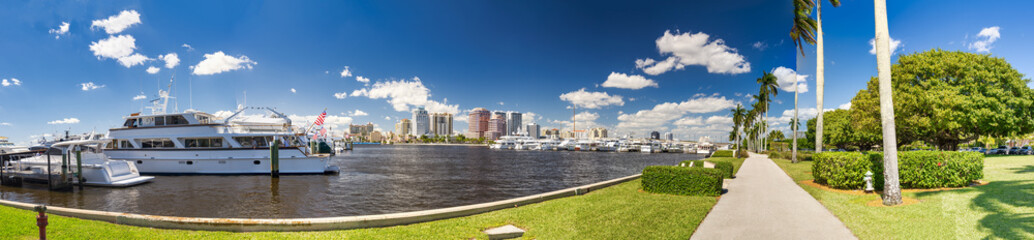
(949, 97)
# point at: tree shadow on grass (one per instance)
(1024, 169)
(999, 199)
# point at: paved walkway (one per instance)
(762, 202)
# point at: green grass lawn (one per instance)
(617, 212)
(1002, 209)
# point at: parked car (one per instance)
(1026, 150)
(1001, 150)
(1014, 151)
(980, 150)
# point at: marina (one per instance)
(374, 179)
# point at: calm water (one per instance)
(374, 179)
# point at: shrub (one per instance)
(724, 166)
(742, 153)
(801, 155)
(934, 169)
(722, 153)
(682, 180)
(918, 169)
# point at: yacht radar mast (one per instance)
(162, 102)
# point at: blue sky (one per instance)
(631, 67)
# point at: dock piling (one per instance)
(79, 166)
(274, 158)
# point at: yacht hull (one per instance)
(237, 161)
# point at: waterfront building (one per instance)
(376, 136)
(513, 123)
(532, 129)
(362, 130)
(403, 126)
(496, 127)
(597, 133)
(551, 133)
(477, 122)
(568, 135)
(669, 136)
(441, 124)
(421, 122)
(655, 135)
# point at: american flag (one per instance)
(323, 132)
(319, 120)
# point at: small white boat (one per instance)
(97, 168)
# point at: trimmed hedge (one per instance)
(801, 155)
(725, 167)
(742, 154)
(722, 153)
(916, 169)
(682, 180)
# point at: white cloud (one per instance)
(133, 60)
(341, 95)
(987, 37)
(293, 91)
(346, 73)
(90, 86)
(219, 62)
(362, 79)
(403, 94)
(387, 118)
(894, 43)
(845, 106)
(760, 45)
(139, 97)
(690, 121)
(189, 48)
(358, 113)
(621, 80)
(116, 23)
(64, 121)
(60, 30)
(585, 119)
(785, 77)
(694, 49)
(223, 114)
(529, 118)
(114, 47)
(171, 60)
(11, 82)
(334, 121)
(591, 100)
(664, 113)
(719, 120)
(153, 70)
(5, 124)
(501, 103)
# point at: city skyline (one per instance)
(627, 67)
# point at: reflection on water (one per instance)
(373, 180)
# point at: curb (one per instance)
(313, 224)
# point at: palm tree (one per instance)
(769, 89)
(738, 114)
(810, 31)
(803, 31)
(891, 186)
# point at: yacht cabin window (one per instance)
(254, 142)
(203, 142)
(124, 144)
(156, 143)
(203, 119)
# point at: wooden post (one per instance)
(64, 166)
(79, 166)
(50, 179)
(274, 158)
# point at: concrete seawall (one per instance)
(313, 224)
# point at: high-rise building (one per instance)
(363, 130)
(597, 133)
(551, 133)
(669, 136)
(513, 123)
(441, 124)
(477, 122)
(532, 129)
(421, 122)
(655, 135)
(496, 127)
(403, 126)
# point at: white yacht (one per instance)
(195, 142)
(650, 147)
(97, 169)
(505, 142)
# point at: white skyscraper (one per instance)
(532, 129)
(421, 122)
(513, 123)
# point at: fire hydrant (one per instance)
(41, 221)
(868, 182)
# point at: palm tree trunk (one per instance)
(820, 80)
(892, 189)
(794, 127)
